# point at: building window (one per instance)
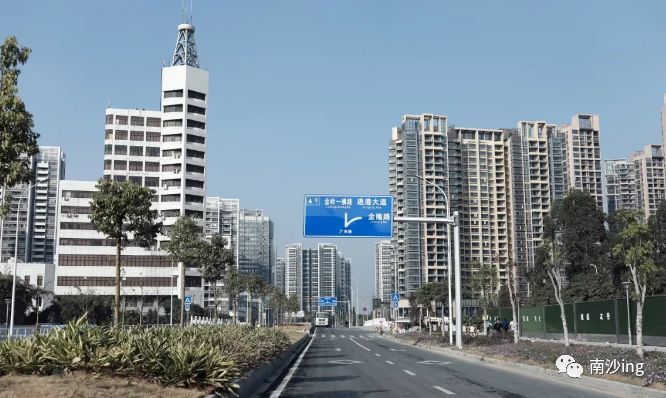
(77, 194)
(173, 108)
(108, 134)
(85, 226)
(40, 281)
(136, 166)
(195, 124)
(154, 122)
(152, 181)
(195, 139)
(120, 165)
(152, 166)
(172, 138)
(191, 153)
(120, 150)
(193, 184)
(70, 210)
(152, 136)
(137, 121)
(119, 178)
(173, 94)
(136, 151)
(173, 123)
(152, 151)
(172, 153)
(107, 164)
(171, 183)
(26, 279)
(136, 180)
(171, 198)
(108, 149)
(194, 169)
(122, 120)
(136, 135)
(196, 95)
(109, 119)
(121, 134)
(175, 168)
(194, 198)
(196, 109)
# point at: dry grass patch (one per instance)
(81, 385)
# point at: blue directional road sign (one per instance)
(395, 299)
(328, 301)
(352, 216)
(187, 302)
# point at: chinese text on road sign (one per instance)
(368, 216)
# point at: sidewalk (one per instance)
(617, 345)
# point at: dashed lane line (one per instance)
(379, 355)
(390, 363)
(409, 373)
(444, 390)
(356, 342)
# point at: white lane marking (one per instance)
(378, 355)
(408, 372)
(444, 390)
(433, 362)
(393, 349)
(323, 335)
(342, 336)
(356, 342)
(390, 363)
(337, 349)
(333, 336)
(283, 384)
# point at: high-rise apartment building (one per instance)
(255, 244)
(584, 156)
(650, 184)
(293, 272)
(384, 264)
(419, 147)
(37, 213)
(621, 193)
(279, 274)
(482, 195)
(164, 150)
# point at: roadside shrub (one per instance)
(204, 357)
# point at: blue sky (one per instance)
(303, 93)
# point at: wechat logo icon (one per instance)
(567, 364)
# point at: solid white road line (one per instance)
(378, 355)
(409, 373)
(444, 390)
(390, 363)
(285, 381)
(356, 342)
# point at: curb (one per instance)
(260, 380)
(609, 386)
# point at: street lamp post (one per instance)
(626, 289)
(18, 214)
(7, 302)
(448, 256)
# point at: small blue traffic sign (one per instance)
(188, 300)
(328, 301)
(350, 216)
(395, 296)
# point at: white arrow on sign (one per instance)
(348, 223)
(433, 362)
(345, 362)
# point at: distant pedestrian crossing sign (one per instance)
(395, 299)
(188, 302)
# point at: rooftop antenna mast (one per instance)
(186, 50)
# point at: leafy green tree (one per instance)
(657, 223)
(184, 248)
(255, 286)
(24, 296)
(122, 210)
(215, 258)
(540, 289)
(292, 305)
(234, 285)
(65, 308)
(503, 296)
(634, 247)
(18, 141)
(485, 285)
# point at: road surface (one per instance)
(344, 363)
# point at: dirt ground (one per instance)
(295, 332)
(86, 386)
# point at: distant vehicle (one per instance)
(323, 319)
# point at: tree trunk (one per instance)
(182, 293)
(429, 324)
(116, 304)
(563, 315)
(513, 308)
(215, 300)
(485, 319)
(235, 304)
(248, 318)
(557, 286)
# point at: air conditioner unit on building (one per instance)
(66, 198)
(165, 187)
(69, 215)
(176, 171)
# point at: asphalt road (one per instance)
(344, 363)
